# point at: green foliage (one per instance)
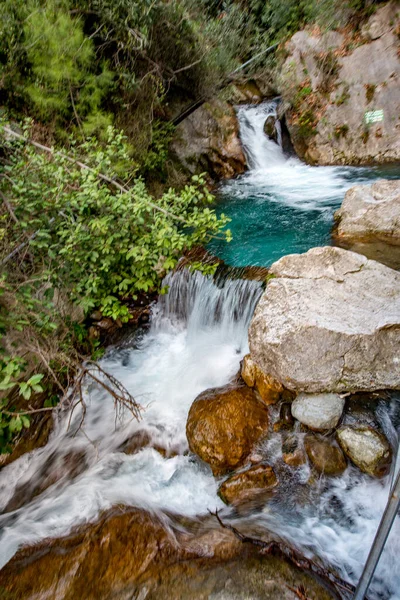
(66, 81)
(99, 243)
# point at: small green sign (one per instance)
(374, 116)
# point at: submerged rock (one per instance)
(369, 221)
(270, 389)
(247, 485)
(329, 320)
(293, 453)
(318, 411)
(224, 424)
(367, 449)
(324, 456)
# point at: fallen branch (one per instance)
(274, 547)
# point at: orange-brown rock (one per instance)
(249, 484)
(224, 424)
(269, 388)
(293, 453)
(130, 554)
(324, 456)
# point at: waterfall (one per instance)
(196, 339)
(261, 152)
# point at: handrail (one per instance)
(380, 539)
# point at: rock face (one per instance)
(247, 485)
(367, 449)
(270, 389)
(224, 424)
(208, 140)
(324, 456)
(329, 321)
(369, 221)
(331, 88)
(318, 411)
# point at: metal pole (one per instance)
(379, 542)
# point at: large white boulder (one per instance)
(369, 221)
(329, 321)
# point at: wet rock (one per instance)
(269, 388)
(293, 453)
(367, 449)
(361, 409)
(318, 411)
(319, 327)
(286, 420)
(224, 424)
(270, 129)
(368, 221)
(248, 485)
(58, 467)
(105, 324)
(139, 440)
(324, 456)
(208, 140)
(130, 554)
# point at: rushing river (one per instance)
(196, 339)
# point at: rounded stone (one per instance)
(248, 484)
(224, 424)
(324, 456)
(318, 411)
(368, 449)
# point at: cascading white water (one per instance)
(197, 337)
(282, 178)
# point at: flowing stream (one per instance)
(196, 339)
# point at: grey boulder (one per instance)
(329, 321)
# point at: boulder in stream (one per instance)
(329, 321)
(368, 221)
(318, 411)
(224, 424)
(368, 449)
(248, 485)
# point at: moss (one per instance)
(365, 136)
(340, 131)
(307, 124)
(370, 91)
(343, 97)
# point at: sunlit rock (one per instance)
(224, 424)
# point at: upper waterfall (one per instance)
(260, 151)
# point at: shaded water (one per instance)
(197, 337)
